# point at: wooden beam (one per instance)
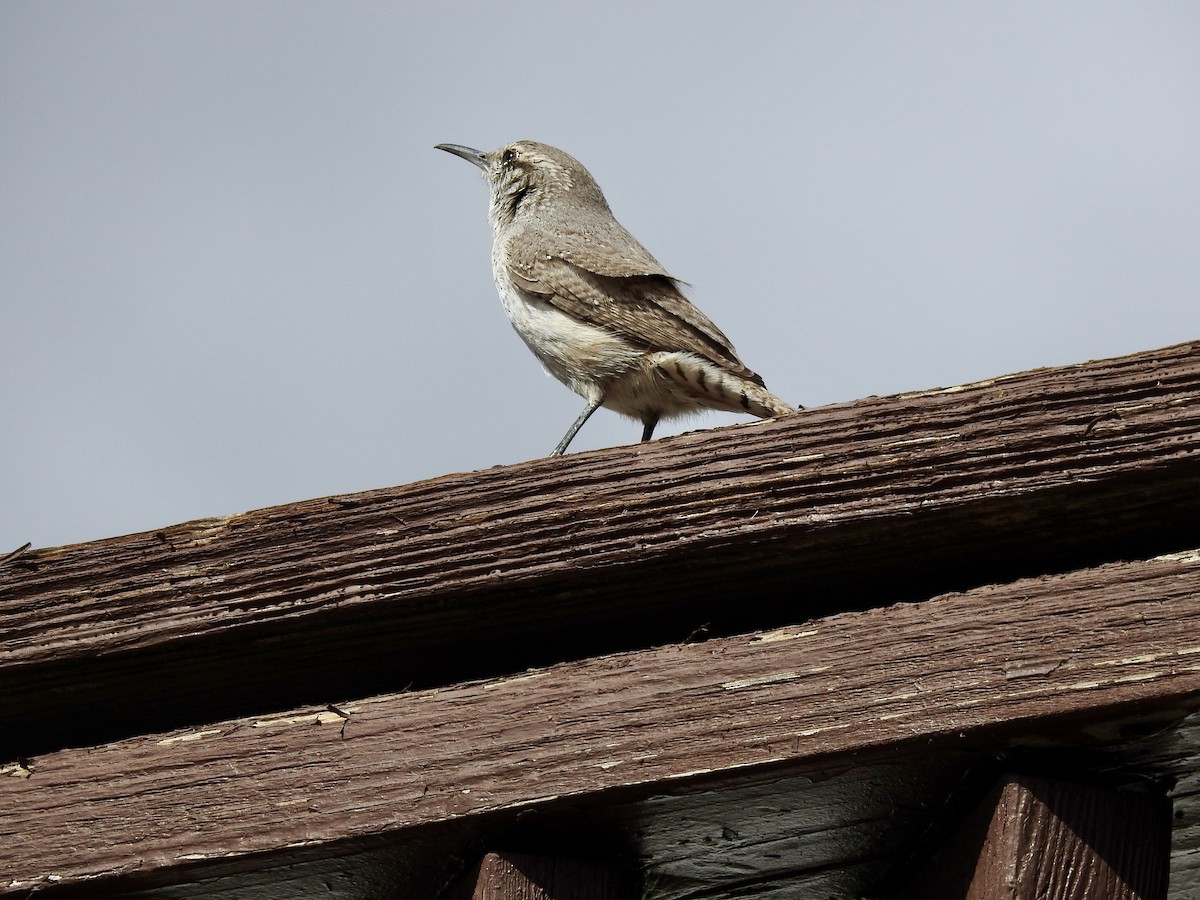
(717, 532)
(992, 663)
(880, 457)
(520, 876)
(1048, 837)
(1052, 838)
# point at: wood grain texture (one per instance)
(718, 532)
(993, 661)
(1052, 838)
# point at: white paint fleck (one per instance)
(324, 717)
(895, 697)
(1139, 676)
(931, 439)
(1082, 686)
(530, 801)
(190, 736)
(1148, 657)
(773, 678)
(204, 531)
(809, 732)
(784, 634)
(1187, 556)
(807, 458)
(509, 682)
(957, 389)
(695, 772)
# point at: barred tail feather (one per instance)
(712, 386)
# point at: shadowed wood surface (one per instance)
(994, 661)
(520, 876)
(1035, 837)
(714, 533)
(1052, 838)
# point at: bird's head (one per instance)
(527, 178)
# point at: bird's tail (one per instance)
(718, 388)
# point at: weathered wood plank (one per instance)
(879, 457)
(725, 531)
(992, 661)
(832, 827)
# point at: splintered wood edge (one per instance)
(1005, 659)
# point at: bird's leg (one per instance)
(648, 428)
(571, 432)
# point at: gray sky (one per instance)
(234, 272)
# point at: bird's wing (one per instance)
(602, 247)
(645, 306)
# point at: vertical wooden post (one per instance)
(1055, 840)
(517, 876)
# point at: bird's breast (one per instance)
(581, 355)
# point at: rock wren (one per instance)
(594, 306)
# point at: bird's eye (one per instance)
(509, 155)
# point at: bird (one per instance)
(598, 311)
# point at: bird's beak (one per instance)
(478, 157)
